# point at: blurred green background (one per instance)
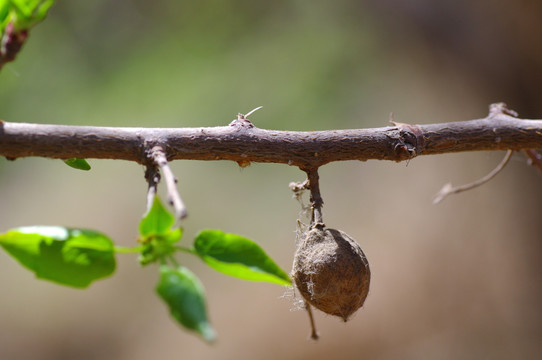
(460, 280)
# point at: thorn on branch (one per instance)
(159, 159)
(500, 109)
(448, 189)
(535, 159)
(243, 121)
(252, 112)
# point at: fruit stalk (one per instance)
(317, 219)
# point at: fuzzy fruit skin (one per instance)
(331, 272)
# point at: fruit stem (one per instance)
(316, 200)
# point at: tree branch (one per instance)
(241, 141)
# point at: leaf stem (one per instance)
(186, 250)
(127, 250)
(173, 260)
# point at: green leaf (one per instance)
(173, 236)
(72, 257)
(16, 18)
(77, 163)
(157, 235)
(159, 247)
(41, 11)
(158, 221)
(26, 13)
(4, 10)
(183, 293)
(237, 256)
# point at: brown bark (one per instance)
(241, 141)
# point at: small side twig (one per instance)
(448, 189)
(158, 156)
(153, 178)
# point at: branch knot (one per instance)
(411, 140)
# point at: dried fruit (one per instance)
(331, 272)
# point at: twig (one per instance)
(317, 219)
(153, 178)
(448, 189)
(314, 333)
(174, 198)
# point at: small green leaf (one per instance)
(237, 256)
(27, 13)
(76, 163)
(72, 257)
(157, 236)
(158, 221)
(41, 11)
(5, 6)
(183, 293)
(173, 236)
(159, 247)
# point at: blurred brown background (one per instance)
(460, 280)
